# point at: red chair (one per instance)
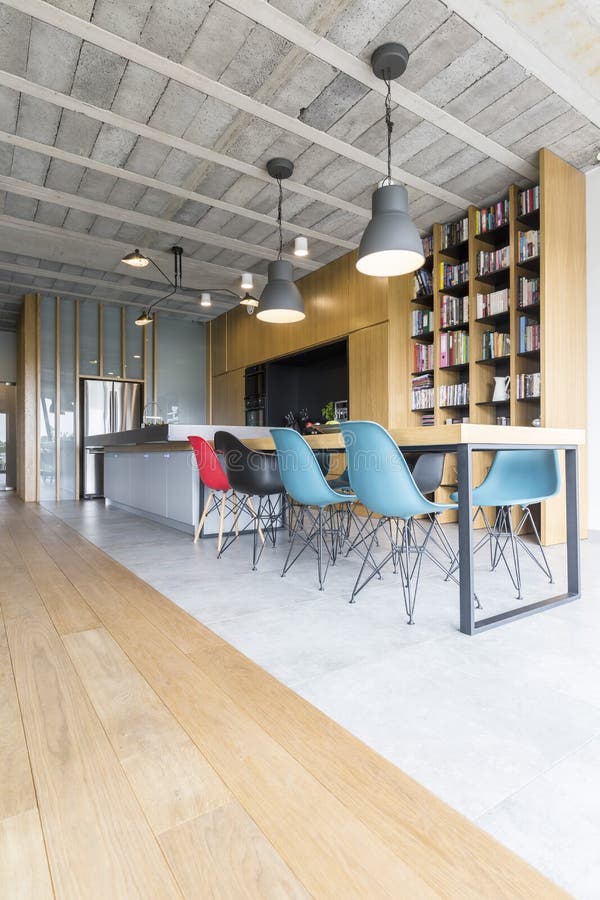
(214, 478)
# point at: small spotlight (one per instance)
(205, 300)
(144, 318)
(300, 246)
(247, 281)
(136, 259)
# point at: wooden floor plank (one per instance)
(272, 747)
(223, 854)
(98, 842)
(170, 777)
(455, 857)
(329, 849)
(23, 864)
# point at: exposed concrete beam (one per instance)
(31, 289)
(64, 101)
(280, 23)
(77, 248)
(113, 43)
(154, 223)
(16, 140)
(104, 285)
(505, 34)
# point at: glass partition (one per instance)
(47, 412)
(66, 423)
(111, 341)
(181, 370)
(89, 359)
(134, 338)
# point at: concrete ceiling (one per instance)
(145, 124)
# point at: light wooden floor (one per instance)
(142, 756)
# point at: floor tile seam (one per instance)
(541, 774)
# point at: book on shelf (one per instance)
(529, 334)
(428, 419)
(529, 244)
(491, 217)
(528, 200)
(422, 322)
(454, 348)
(452, 275)
(529, 292)
(495, 344)
(493, 260)
(493, 304)
(423, 282)
(422, 357)
(453, 311)
(427, 244)
(528, 386)
(454, 394)
(458, 420)
(455, 233)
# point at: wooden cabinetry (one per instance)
(228, 398)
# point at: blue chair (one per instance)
(305, 483)
(382, 481)
(517, 478)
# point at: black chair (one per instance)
(252, 474)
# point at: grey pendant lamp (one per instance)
(391, 244)
(281, 301)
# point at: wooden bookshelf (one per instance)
(559, 264)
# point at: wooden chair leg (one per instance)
(221, 521)
(236, 515)
(203, 517)
(253, 511)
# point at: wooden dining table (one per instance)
(465, 440)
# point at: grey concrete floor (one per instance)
(504, 726)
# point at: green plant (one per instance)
(328, 411)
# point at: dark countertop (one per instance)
(151, 434)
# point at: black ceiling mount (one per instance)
(389, 61)
(280, 167)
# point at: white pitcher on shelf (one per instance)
(501, 388)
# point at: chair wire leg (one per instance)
(320, 549)
(544, 565)
(366, 560)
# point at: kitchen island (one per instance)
(152, 472)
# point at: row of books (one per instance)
(423, 282)
(453, 311)
(495, 344)
(452, 275)
(428, 419)
(528, 386)
(454, 348)
(529, 200)
(427, 243)
(493, 304)
(493, 260)
(422, 357)
(529, 244)
(529, 334)
(529, 292)
(422, 322)
(454, 394)
(491, 217)
(455, 233)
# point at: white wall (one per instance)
(8, 356)
(593, 338)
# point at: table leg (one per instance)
(572, 501)
(465, 538)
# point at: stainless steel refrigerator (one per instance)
(107, 407)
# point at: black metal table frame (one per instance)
(464, 453)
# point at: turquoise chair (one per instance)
(305, 483)
(517, 478)
(382, 481)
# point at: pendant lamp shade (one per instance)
(281, 301)
(390, 244)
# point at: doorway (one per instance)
(8, 447)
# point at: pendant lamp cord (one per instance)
(279, 207)
(389, 125)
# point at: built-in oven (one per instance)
(255, 395)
